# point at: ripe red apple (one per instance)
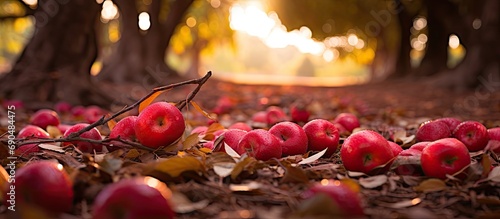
(433, 130)
(347, 120)
(450, 121)
(232, 137)
(133, 199)
(78, 111)
(274, 115)
(63, 127)
(365, 150)
(396, 149)
(93, 113)
(32, 131)
(322, 134)
(410, 169)
(259, 119)
(299, 112)
(63, 107)
(444, 156)
(45, 117)
(292, 138)
(18, 104)
(473, 134)
(240, 125)
(420, 145)
(494, 135)
(159, 124)
(27, 149)
(92, 134)
(42, 184)
(347, 201)
(124, 129)
(342, 131)
(224, 105)
(260, 144)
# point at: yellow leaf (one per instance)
(132, 153)
(206, 150)
(209, 134)
(199, 109)
(54, 132)
(111, 124)
(149, 100)
(191, 141)
(431, 185)
(177, 165)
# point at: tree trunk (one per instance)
(403, 64)
(140, 55)
(55, 65)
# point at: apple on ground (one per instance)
(322, 134)
(419, 145)
(444, 156)
(93, 113)
(232, 138)
(299, 112)
(18, 104)
(473, 134)
(494, 135)
(224, 105)
(84, 146)
(348, 120)
(159, 124)
(260, 144)
(396, 148)
(450, 121)
(134, 199)
(364, 151)
(43, 185)
(30, 131)
(78, 111)
(345, 201)
(45, 117)
(63, 107)
(259, 119)
(433, 130)
(292, 138)
(342, 131)
(274, 115)
(124, 130)
(240, 125)
(200, 130)
(410, 169)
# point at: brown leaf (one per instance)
(133, 153)
(486, 164)
(176, 165)
(209, 134)
(241, 166)
(111, 124)
(150, 99)
(203, 112)
(110, 165)
(494, 175)
(431, 185)
(294, 175)
(181, 204)
(191, 141)
(373, 182)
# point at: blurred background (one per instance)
(52, 49)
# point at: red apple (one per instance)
(42, 184)
(322, 134)
(159, 124)
(494, 135)
(93, 113)
(232, 138)
(63, 107)
(45, 117)
(260, 144)
(32, 131)
(365, 150)
(92, 134)
(259, 119)
(18, 104)
(124, 129)
(292, 137)
(224, 105)
(299, 112)
(78, 111)
(410, 169)
(420, 145)
(200, 130)
(133, 199)
(433, 130)
(473, 134)
(342, 131)
(396, 149)
(274, 115)
(347, 120)
(346, 200)
(63, 127)
(444, 156)
(450, 121)
(241, 126)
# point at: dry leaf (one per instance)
(182, 204)
(245, 187)
(231, 152)
(203, 112)
(494, 175)
(111, 124)
(313, 158)
(431, 185)
(149, 100)
(54, 132)
(176, 165)
(294, 175)
(224, 169)
(191, 141)
(241, 166)
(209, 134)
(51, 147)
(373, 182)
(405, 203)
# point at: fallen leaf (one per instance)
(431, 185)
(245, 187)
(224, 169)
(373, 181)
(51, 147)
(294, 175)
(150, 99)
(353, 184)
(231, 152)
(110, 165)
(181, 204)
(191, 141)
(176, 165)
(54, 132)
(111, 124)
(405, 203)
(203, 112)
(132, 153)
(241, 166)
(209, 134)
(486, 164)
(313, 158)
(494, 175)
